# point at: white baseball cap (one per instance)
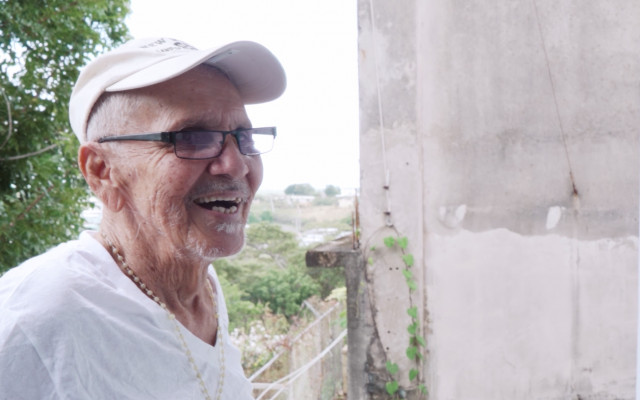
(253, 69)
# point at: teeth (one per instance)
(223, 210)
(201, 200)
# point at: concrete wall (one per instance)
(511, 137)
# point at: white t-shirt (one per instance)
(73, 326)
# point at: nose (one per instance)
(230, 162)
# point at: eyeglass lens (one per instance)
(208, 144)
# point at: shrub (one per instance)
(303, 189)
(332, 191)
(266, 216)
(284, 290)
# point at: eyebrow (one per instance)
(205, 121)
(187, 123)
(198, 123)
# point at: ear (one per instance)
(94, 164)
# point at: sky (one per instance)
(316, 42)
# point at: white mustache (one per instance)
(220, 185)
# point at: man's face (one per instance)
(197, 205)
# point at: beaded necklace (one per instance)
(219, 341)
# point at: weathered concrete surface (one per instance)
(334, 254)
(390, 47)
(511, 135)
(491, 132)
(520, 317)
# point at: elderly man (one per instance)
(135, 311)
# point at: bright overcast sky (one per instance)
(316, 42)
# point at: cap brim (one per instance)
(253, 69)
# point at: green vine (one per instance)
(416, 341)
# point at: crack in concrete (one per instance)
(555, 100)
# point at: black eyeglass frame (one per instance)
(170, 137)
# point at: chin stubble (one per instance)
(229, 227)
(193, 246)
(202, 251)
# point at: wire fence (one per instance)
(316, 361)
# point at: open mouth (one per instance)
(224, 205)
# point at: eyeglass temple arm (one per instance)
(149, 137)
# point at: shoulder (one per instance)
(48, 278)
(23, 374)
(48, 292)
(33, 296)
(67, 308)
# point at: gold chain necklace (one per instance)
(219, 340)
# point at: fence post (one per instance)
(340, 253)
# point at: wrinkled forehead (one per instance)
(203, 97)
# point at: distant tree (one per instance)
(240, 311)
(266, 216)
(284, 290)
(267, 241)
(331, 190)
(303, 189)
(43, 46)
(327, 278)
(267, 247)
(271, 269)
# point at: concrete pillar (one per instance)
(511, 141)
(341, 253)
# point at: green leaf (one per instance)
(412, 284)
(403, 242)
(420, 355)
(412, 374)
(407, 274)
(43, 46)
(370, 260)
(412, 328)
(392, 368)
(392, 387)
(411, 352)
(413, 312)
(342, 319)
(408, 259)
(389, 241)
(423, 388)
(421, 340)
(373, 248)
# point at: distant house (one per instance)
(295, 198)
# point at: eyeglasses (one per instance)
(203, 145)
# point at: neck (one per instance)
(179, 279)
